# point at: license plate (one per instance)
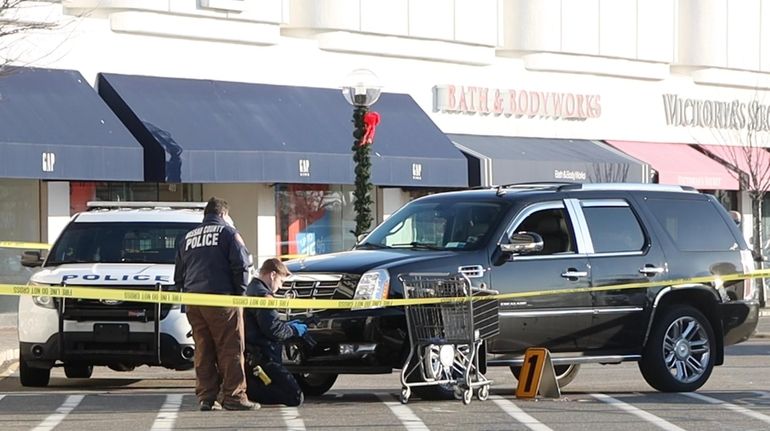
(111, 332)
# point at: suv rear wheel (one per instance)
(565, 374)
(78, 371)
(678, 356)
(34, 377)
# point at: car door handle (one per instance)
(651, 270)
(573, 273)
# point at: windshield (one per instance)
(438, 226)
(118, 243)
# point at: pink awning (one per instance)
(680, 164)
(743, 157)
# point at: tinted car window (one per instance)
(693, 225)
(438, 225)
(554, 227)
(118, 243)
(614, 229)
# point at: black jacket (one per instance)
(212, 259)
(265, 332)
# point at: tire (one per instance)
(78, 371)
(315, 384)
(565, 374)
(684, 363)
(436, 371)
(33, 377)
(122, 368)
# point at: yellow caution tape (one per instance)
(85, 292)
(27, 245)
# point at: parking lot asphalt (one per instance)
(9, 342)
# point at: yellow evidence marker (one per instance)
(537, 376)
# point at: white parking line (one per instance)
(649, 417)
(292, 419)
(53, 420)
(733, 407)
(407, 417)
(168, 413)
(515, 412)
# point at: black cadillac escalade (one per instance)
(541, 237)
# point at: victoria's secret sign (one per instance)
(529, 103)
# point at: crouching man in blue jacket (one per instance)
(267, 381)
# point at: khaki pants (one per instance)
(218, 335)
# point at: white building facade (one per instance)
(645, 74)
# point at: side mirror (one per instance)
(523, 243)
(31, 258)
(361, 237)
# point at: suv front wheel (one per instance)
(78, 371)
(315, 384)
(678, 356)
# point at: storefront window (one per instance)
(728, 198)
(418, 193)
(314, 219)
(19, 221)
(82, 192)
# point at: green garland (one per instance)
(362, 197)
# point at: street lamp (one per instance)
(362, 88)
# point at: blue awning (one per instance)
(226, 132)
(494, 160)
(54, 126)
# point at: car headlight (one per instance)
(42, 301)
(373, 285)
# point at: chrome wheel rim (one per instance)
(686, 349)
(435, 370)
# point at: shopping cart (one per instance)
(445, 338)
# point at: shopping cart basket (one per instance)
(445, 338)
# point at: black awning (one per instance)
(506, 160)
(210, 131)
(54, 126)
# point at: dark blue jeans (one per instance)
(283, 388)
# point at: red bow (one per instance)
(371, 120)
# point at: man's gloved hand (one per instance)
(299, 328)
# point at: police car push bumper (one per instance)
(104, 332)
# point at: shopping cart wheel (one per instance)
(405, 393)
(483, 393)
(467, 396)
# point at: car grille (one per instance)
(318, 286)
(82, 310)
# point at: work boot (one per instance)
(240, 405)
(206, 406)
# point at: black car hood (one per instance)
(360, 261)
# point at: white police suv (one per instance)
(129, 245)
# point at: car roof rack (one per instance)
(648, 187)
(94, 205)
(501, 188)
(535, 184)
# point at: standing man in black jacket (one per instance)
(269, 382)
(212, 258)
